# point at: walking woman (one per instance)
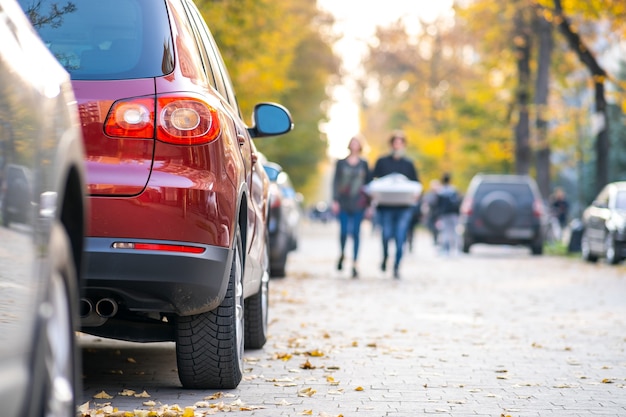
(349, 199)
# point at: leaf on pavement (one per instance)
(131, 360)
(307, 413)
(83, 408)
(307, 365)
(219, 395)
(103, 396)
(359, 388)
(127, 393)
(315, 353)
(306, 392)
(142, 395)
(283, 356)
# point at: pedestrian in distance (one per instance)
(429, 208)
(349, 199)
(447, 209)
(395, 219)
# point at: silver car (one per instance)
(42, 208)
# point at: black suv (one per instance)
(503, 209)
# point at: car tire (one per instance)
(209, 346)
(466, 245)
(536, 247)
(498, 209)
(585, 248)
(62, 358)
(611, 253)
(278, 269)
(256, 312)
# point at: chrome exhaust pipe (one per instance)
(106, 308)
(86, 307)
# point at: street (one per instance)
(498, 332)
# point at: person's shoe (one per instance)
(396, 273)
(383, 265)
(340, 263)
(355, 273)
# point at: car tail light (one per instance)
(275, 201)
(131, 119)
(466, 207)
(537, 208)
(157, 247)
(177, 119)
(186, 121)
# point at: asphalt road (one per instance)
(498, 332)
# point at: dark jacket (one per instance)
(348, 185)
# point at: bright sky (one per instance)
(356, 20)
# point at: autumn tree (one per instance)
(285, 60)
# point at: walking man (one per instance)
(395, 220)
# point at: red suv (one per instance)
(177, 240)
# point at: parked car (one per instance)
(284, 217)
(604, 225)
(177, 231)
(321, 212)
(503, 209)
(42, 193)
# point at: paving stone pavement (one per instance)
(498, 332)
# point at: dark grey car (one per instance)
(503, 209)
(41, 241)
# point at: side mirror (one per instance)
(270, 119)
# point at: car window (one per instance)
(522, 192)
(105, 40)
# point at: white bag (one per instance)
(394, 190)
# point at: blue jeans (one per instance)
(395, 222)
(350, 225)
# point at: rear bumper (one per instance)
(511, 236)
(156, 281)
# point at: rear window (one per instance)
(105, 39)
(522, 192)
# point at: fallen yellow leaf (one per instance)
(307, 413)
(127, 393)
(307, 365)
(131, 360)
(142, 395)
(306, 392)
(359, 388)
(103, 396)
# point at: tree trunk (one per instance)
(522, 129)
(542, 86)
(598, 74)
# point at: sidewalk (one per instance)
(496, 332)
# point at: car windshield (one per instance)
(105, 40)
(620, 200)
